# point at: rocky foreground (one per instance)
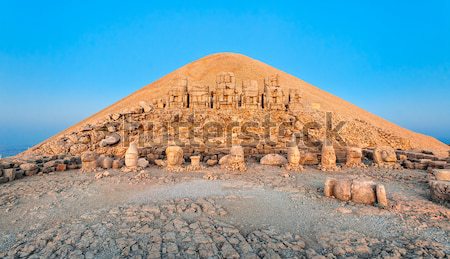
(264, 212)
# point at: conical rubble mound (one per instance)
(224, 99)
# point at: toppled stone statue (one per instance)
(357, 191)
(273, 159)
(132, 156)
(174, 158)
(354, 157)
(235, 161)
(328, 159)
(385, 157)
(88, 161)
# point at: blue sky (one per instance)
(61, 61)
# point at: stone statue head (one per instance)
(174, 156)
(293, 155)
(328, 155)
(384, 155)
(354, 152)
(237, 154)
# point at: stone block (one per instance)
(363, 192)
(440, 191)
(343, 190)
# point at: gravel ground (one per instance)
(264, 212)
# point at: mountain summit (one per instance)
(247, 88)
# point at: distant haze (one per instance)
(61, 61)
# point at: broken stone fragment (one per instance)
(328, 158)
(273, 159)
(28, 166)
(440, 191)
(110, 140)
(329, 185)
(442, 174)
(363, 192)
(107, 163)
(89, 160)
(343, 190)
(211, 162)
(117, 164)
(147, 107)
(381, 196)
(142, 163)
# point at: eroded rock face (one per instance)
(328, 160)
(174, 158)
(273, 159)
(358, 191)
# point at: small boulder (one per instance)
(28, 166)
(142, 163)
(107, 163)
(211, 162)
(110, 140)
(273, 159)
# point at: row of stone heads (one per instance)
(236, 160)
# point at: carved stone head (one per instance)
(237, 154)
(174, 156)
(293, 155)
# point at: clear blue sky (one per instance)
(61, 61)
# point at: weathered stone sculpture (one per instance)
(199, 97)
(174, 158)
(131, 156)
(226, 93)
(235, 161)
(358, 191)
(251, 98)
(385, 157)
(328, 159)
(294, 159)
(353, 157)
(88, 161)
(178, 93)
(273, 94)
(294, 100)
